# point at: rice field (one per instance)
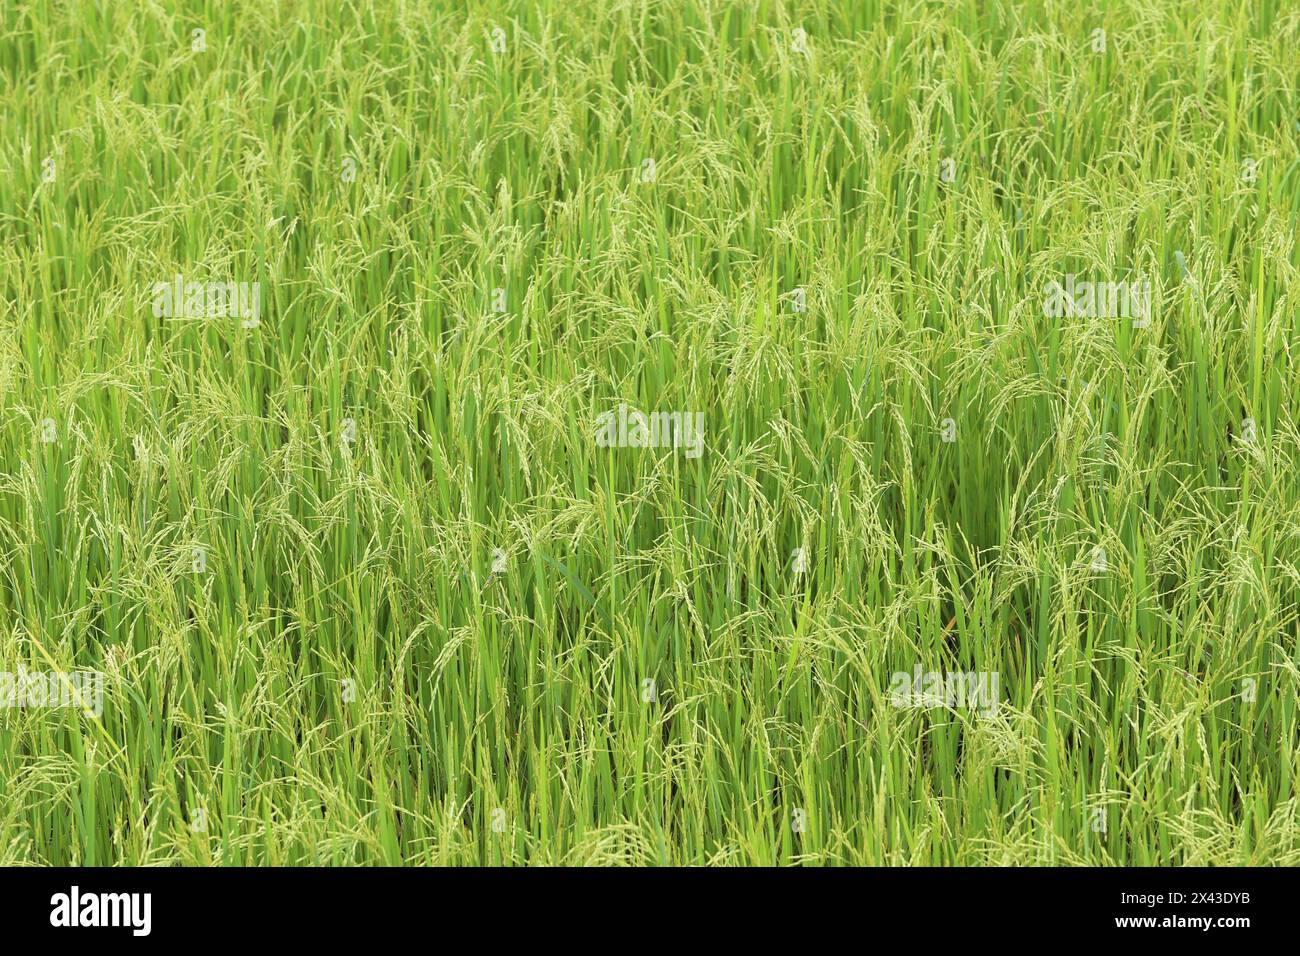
(649, 432)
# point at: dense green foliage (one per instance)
(277, 542)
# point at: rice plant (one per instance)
(650, 432)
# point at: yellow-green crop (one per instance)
(649, 432)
